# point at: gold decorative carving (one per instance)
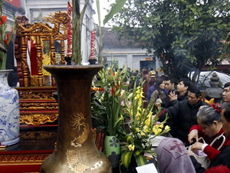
(35, 95)
(41, 31)
(34, 29)
(25, 68)
(37, 119)
(59, 19)
(28, 95)
(38, 106)
(14, 159)
(78, 122)
(38, 135)
(77, 163)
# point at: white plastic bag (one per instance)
(201, 157)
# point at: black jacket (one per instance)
(180, 98)
(184, 115)
(223, 158)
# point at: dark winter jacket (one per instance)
(169, 103)
(180, 98)
(184, 114)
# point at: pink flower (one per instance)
(122, 103)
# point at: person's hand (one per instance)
(193, 135)
(172, 96)
(190, 153)
(197, 146)
(157, 106)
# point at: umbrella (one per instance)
(206, 75)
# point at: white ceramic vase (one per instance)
(9, 111)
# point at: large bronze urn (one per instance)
(75, 151)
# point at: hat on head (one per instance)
(152, 73)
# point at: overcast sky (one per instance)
(104, 4)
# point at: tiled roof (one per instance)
(111, 40)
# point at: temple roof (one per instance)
(111, 39)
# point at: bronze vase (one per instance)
(75, 151)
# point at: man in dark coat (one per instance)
(182, 91)
(184, 113)
(170, 89)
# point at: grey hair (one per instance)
(207, 115)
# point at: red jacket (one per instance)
(212, 151)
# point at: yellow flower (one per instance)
(139, 102)
(139, 109)
(131, 147)
(156, 130)
(143, 111)
(142, 134)
(167, 128)
(146, 130)
(149, 115)
(138, 114)
(147, 122)
(137, 130)
(160, 126)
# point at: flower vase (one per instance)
(9, 111)
(112, 150)
(75, 150)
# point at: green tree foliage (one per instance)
(183, 34)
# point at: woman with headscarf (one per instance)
(172, 157)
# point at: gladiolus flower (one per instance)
(156, 129)
(167, 128)
(7, 36)
(131, 147)
(146, 130)
(6, 41)
(147, 122)
(4, 18)
(122, 103)
(112, 91)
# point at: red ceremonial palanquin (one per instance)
(15, 3)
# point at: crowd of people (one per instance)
(196, 126)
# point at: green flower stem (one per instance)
(77, 25)
(3, 57)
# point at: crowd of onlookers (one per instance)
(204, 127)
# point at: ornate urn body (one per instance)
(9, 111)
(75, 151)
(214, 91)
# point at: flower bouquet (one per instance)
(107, 109)
(142, 128)
(5, 37)
(108, 103)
